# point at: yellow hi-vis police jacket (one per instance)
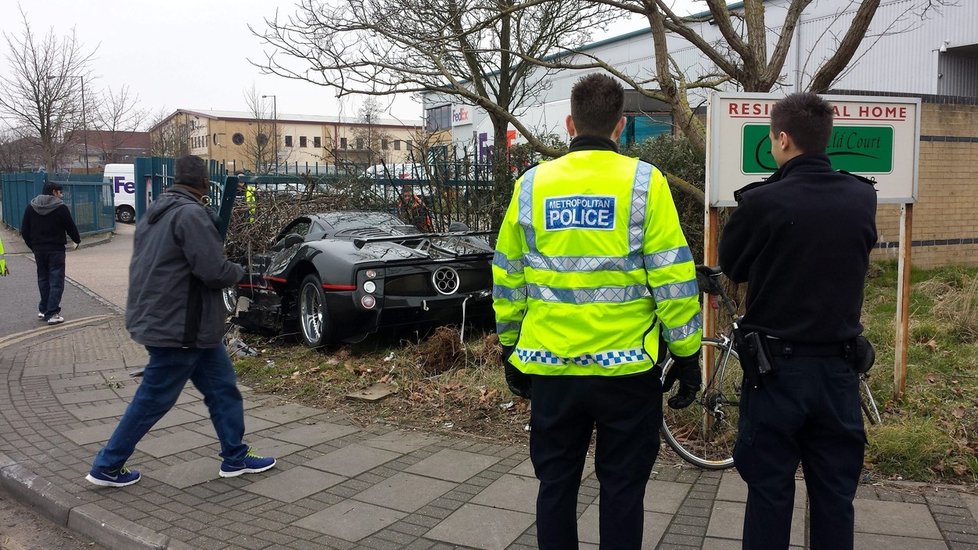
(590, 266)
(3, 261)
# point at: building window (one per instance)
(342, 143)
(384, 144)
(359, 143)
(317, 142)
(302, 141)
(397, 145)
(439, 118)
(237, 138)
(288, 141)
(407, 145)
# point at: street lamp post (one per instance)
(84, 120)
(274, 127)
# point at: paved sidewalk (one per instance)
(340, 485)
(337, 484)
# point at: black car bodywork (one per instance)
(341, 276)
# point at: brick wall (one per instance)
(945, 217)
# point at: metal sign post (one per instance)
(875, 137)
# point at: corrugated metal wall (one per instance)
(957, 75)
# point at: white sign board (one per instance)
(874, 137)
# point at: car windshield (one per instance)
(345, 221)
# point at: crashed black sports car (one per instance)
(341, 276)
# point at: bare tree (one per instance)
(472, 51)
(117, 116)
(41, 91)
(17, 152)
(169, 134)
(259, 145)
(740, 56)
(370, 134)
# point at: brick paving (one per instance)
(339, 485)
(343, 486)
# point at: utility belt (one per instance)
(757, 352)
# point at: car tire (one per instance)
(315, 324)
(230, 299)
(125, 214)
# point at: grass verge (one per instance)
(931, 432)
(445, 385)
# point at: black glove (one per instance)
(518, 382)
(687, 371)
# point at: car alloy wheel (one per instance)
(230, 296)
(313, 318)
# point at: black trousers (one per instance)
(807, 411)
(627, 412)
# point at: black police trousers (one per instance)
(627, 412)
(806, 411)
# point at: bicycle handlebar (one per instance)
(708, 279)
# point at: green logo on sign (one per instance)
(856, 149)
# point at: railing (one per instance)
(89, 199)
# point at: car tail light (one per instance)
(371, 274)
(368, 301)
(369, 286)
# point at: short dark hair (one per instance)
(807, 118)
(190, 170)
(50, 187)
(597, 102)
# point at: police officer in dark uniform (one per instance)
(801, 240)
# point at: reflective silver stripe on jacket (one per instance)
(614, 294)
(506, 293)
(526, 209)
(668, 257)
(504, 327)
(606, 359)
(679, 333)
(640, 201)
(584, 263)
(510, 266)
(672, 291)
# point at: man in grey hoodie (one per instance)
(46, 221)
(175, 309)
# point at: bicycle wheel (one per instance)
(867, 401)
(704, 433)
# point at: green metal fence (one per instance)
(89, 199)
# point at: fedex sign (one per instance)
(120, 185)
(461, 115)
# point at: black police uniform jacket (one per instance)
(801, 240)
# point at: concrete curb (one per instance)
(111, 531)
(65, 510)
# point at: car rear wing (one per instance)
(359, 242)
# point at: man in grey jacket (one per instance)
(175, 309)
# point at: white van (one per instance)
(121, 176)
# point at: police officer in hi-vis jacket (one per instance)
(593, 281)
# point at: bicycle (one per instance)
(704, 433)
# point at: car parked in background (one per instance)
(341, 276)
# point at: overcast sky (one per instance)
(183, 54)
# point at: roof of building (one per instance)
(294, 118)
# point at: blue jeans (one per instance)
(212, 373)
(50, 281)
